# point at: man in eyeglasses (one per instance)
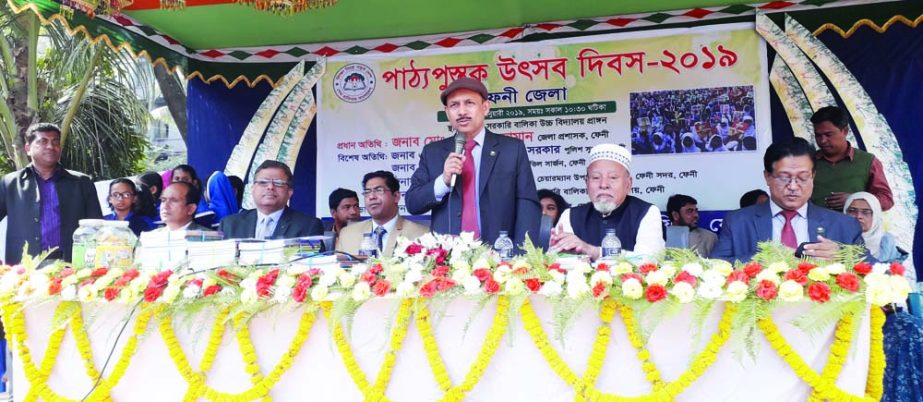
(272, 218)
(381, 192)
(43, 201)
(788, 217)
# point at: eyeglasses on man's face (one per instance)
(121, 196)
(274, 182)
(785, 180)
(377, 191)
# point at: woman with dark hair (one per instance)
(123, 194)
(552, 204)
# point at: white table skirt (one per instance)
(517, 371)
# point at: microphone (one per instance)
(459, 146)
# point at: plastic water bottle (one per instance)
(368, 247)
(504, 246)
(611, 245)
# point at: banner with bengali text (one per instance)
(692, 104)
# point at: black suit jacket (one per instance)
(508, 199)
(19, 199)
(291, 224)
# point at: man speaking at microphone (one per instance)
(476, 180)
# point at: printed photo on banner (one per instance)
(693, 121)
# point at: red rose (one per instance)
(160, 280)
(602, 267)
(55, 287)
(99, 272)
(314, 272)
(797, 275)
(482, 274)
(211, 290)
(441, 271)
(443, 284)
(491, 286)
(305, 280)
(685, 277)
(557, 267)
(428, 289)
(631, 275)
(376, 269)
(368, 276)
(196, 282)
(300, 292)
(151, 294)
(655, 293)
(534, 284)
(752, 269)
(122, 281)
(739, 276)
(766, 290)
(111, 293)
(413, 249)
(647, 268)
(848, 281)
(897, 269)
(863, 268)
(224, 274)
(381, 288)
(439, 255)
(819, 292)
(806, 267)
(599, 288)
(131, 274)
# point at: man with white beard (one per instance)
(637, 223)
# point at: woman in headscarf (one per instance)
(688, 143)
(867, 210)
(219, 193)
(661, 143)
(715, 144)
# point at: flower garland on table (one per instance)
(248, 353)
(372, 391)
(198, 387)
(823, 387)
(600, 347)
(485, 355)
(874, 385)
(842, 338)
(14, 322)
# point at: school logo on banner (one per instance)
(354, 83)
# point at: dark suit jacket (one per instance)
(19, 200)
(744, 228)
(508, 199)
(291, 224)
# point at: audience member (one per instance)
(123, 196)
(753, 197)
(553, 204)
(684, 211)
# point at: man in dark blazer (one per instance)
(272, 219)
(44, 201)
(494, 169)
(788, 217)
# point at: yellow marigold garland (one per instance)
(491, 342)
(197, 380)
(248, 353)
(534, 327)
(874, 385)
(376, 391)
(842, 337)
(822, 387)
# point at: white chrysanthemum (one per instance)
(710, 290)
(667, 270)
(881, 268)
(427, 240)
(361, 291)
(778, 267)
(9, 282)
(724, 267)
(875, 278)
(71, 280)
(622, 268)
(84, 273)
(684, 292)
(347, 280)
(296, 269)
(472, 285)
(879, 293)
(900, 288)
(406, 289)
(191, 292)
(208, 282)
(818, 274)
(319, 293)
(281, 295)
(600, 276)
(791, 291)
(170, 293)
(413, 276)
(481, 263)
(581, 267)
(768, 275)
(285, 282)
(38, 285)
(514, 287)
(632, 289)
(461, 266)
(835, 269)
(712, 276)
(693, 268)
(128, 295)
(69, 293)
(551, 288)
(557, 276)
(577, 289)
(736, 292)
(656, 278)
(87, 293)
(503, 273)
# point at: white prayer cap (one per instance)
(611, 152)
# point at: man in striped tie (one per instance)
(788, 217)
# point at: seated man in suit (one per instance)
(381, 191)
(788, 217)
(637, 223)
(178, 204)
(272, 218)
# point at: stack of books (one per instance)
(164, 249)
(209, 254)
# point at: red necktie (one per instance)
(469, 201)
(788, 232)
